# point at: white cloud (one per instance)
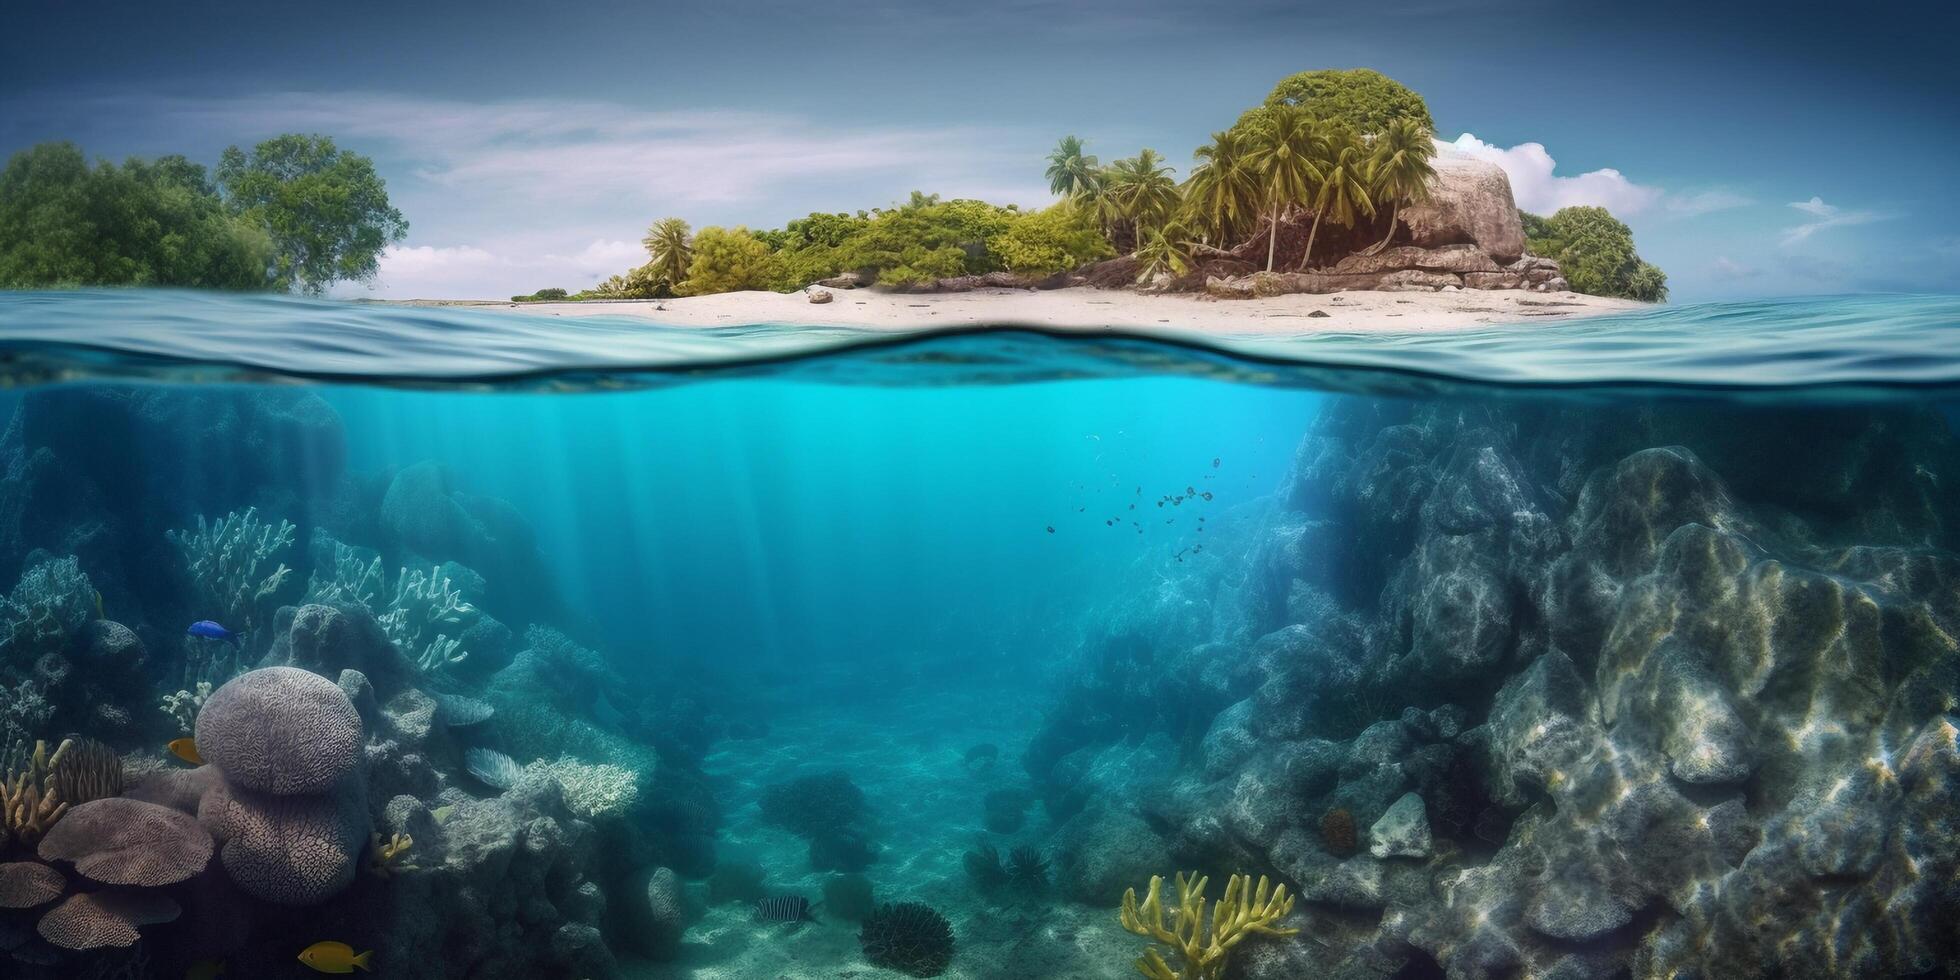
(1828, 216)
(1538, 189)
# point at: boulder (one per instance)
(1469, 203)
(1449, 258)
(820, 296)
(1401, 832)
(847, 280)
(1417, 281)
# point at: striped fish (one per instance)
(784, 908)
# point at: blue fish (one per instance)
(209, 630)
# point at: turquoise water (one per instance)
(1613, 647)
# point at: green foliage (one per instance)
(1222, 196)
(1054, 239)
(1285, 146)
(925, 240)
(728, 259)
(542, 296)
(326, 209)
(1364, 99)
(1344, 193)
(1595, 253)
(1071, 172)
(145, 223)
(672, 249)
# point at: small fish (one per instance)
(1214, 462)
(205, 970)
(206, 629)
(332, 957)
(1051, 529)
(784, 908)
(186, 749)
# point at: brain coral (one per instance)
(92, 920)
(120, 841)
(288, 850)
(280, 730)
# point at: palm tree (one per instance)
(1143, 190)
(672, 248)
(1162, 250)
(1222, 191)
(1345, 191)
(1399, 167)
(1071, 173)
(1285, 150)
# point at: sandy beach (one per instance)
(1093, 309)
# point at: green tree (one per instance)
(1285, 148)
(728, 259)
(1143, 192)
(911, 245)
(1345, 192)
(1054, 239)
(1071, 172)
(145, 223)
(1222, 194)
(1364, 99)
(672, 248)
(1595, 253)
(326, 209)
(1163, 250)
(1399, 169)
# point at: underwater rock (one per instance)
(1401, 832)
(1103, 850)
(330, 637)
(280, 730)
(423, 515)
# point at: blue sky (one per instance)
(1756, 149)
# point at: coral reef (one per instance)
(226, 562)
(592, 790)
(1244, 910)
(908, 937)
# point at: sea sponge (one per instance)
(121, 841)
(1337, 832)
(823, 805)
(908, 937)
(93, 920)
(26, 884)
(288, 850)
(280, 730)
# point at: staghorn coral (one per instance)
(908, 937)
(50, 604)
(423, 603)
(1244, 911)
(280, 730)
(345, 577)
(122, 841)
(226, 562)
(592, 790)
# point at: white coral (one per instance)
(423, 603)
(592, 790)
(226, 561)
(184, 706)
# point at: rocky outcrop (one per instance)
(1401, 269)
(1469, 203)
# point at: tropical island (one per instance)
(1331, 198)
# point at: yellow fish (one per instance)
(331, 957)
(185, 749)
(205, 970)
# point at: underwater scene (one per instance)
(446, 644)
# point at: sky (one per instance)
(1756, 149)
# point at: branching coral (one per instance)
(52, 601)
(183, 706)
(592, 790)
(385, 857)
(39, 792)
(422, 604)
(227, 563)
(347, 578)
(1244, 911)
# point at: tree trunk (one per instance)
(1272, 239)
(1315, 230)
(1392, 216)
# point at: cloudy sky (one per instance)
(1756, 149)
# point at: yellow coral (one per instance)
(384, 857)
(30, 803)
(1244, 911)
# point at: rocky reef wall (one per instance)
(1511, 687)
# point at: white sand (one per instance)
(1091, 309)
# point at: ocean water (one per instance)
(1616, 647)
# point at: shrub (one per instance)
(1054, 239)
(728, 259)
(1595, 253)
